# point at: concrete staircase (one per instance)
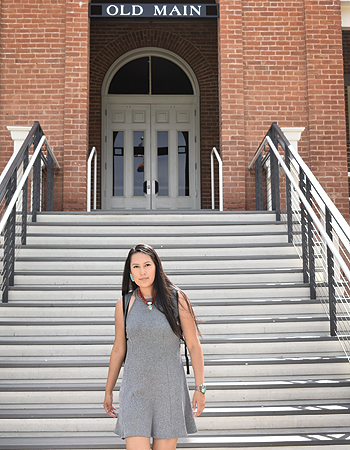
(275, 378)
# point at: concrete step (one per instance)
(215, 307)
(133, 228)
(30, 368)
(314, 438)
(283, 343)
(132, 240)
(180, 277)
(227, 417)
(226, 389)
(169, 252)
(76, 326)
(156, 217)
(117, 265)
(82, 292)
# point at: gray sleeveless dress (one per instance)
(154, 400)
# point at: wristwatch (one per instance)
(201, 388)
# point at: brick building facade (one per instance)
(259, 62)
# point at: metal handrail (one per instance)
(315, 226)
(221, 202)
(93, 154)
(21, 183)
(23, 193)
(16, 158)
(310, 210)
(326, 201)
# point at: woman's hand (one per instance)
(198, 403)
(108, 406)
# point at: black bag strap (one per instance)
(126, 302)
(177, 315)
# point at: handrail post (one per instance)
(275, 191)
(258, 184)
(9, 241)
(93, 154)
(330, 274)
(311, 244)
(49, 182)
(289, 198)
(304, 233)
(25, 200)
(95, 179)
(36, 181)
(221, 201)
(36, 188)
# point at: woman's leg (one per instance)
(137, 443)
(164, 444)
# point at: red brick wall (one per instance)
(76, 106)
(274, 74)
(326, 106)
(278, 61)
(195, 41)
(346, 59)
(281, 62)
(43, 74)
(346, 62)
(232, 112)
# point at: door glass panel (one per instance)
(163, 170)
(118, 163)
(183, 174)
(139, 161)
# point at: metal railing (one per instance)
(93, 154)
(26, 187)
(319, 232)
(221, 202)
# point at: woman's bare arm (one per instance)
(116, 360)
(189, 330)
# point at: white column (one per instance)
(18, 135)
(293, 135)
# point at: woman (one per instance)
(154, 399)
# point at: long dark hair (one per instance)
(165, 288)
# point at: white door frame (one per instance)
(108, 99)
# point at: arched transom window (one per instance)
(152, 75)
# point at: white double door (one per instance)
(150, 157)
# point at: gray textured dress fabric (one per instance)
(154, 400)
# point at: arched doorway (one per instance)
(150, 143)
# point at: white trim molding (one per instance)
(345, 14)
(18, 135)
(293, 135)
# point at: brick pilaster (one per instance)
(76, 104)
(326, 104)
(232, 103)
